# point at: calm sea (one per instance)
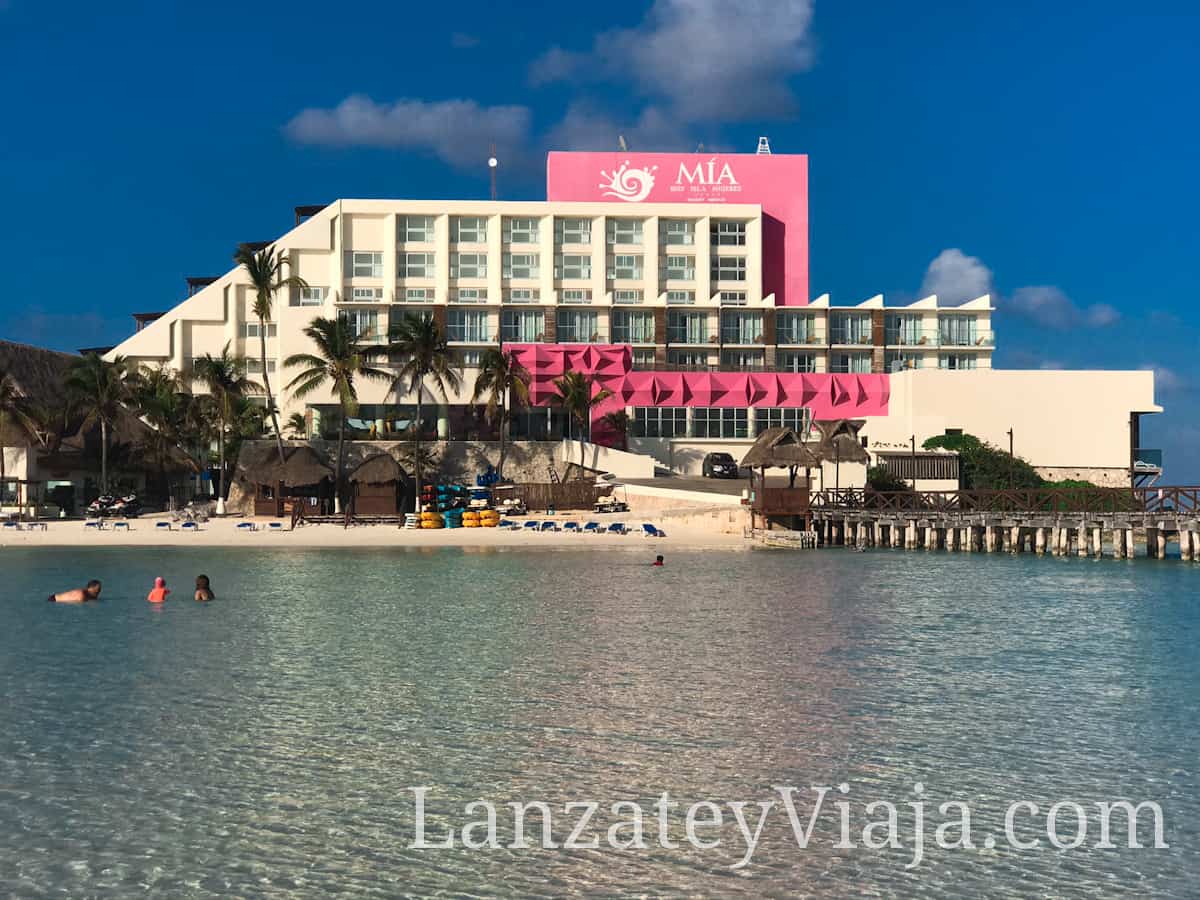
(267, 743)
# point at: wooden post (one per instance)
(1082, 533)
(930, 537)
(1185, 544)
(1039, 541)
(1129, 544)
(1098, 541)
(1162, 542)
(1015, 539)
(1152, 542)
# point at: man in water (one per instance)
(78, 595)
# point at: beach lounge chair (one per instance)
(616, 528)
(549, 525)
(274, 526)
(189, 526)
(162, 526)
(120, 526)
(98, 524)
(246, 526)
(15, 526)
(41, 526)
(591, 528)
(508, 524)
(572, 527)
(530, 526)
(650, 531)
(412, 520)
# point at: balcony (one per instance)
(850, 337)
(980, 339)
(572, 336)
(1147, 460)
(908, 337)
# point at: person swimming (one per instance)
(159, 592)
(658, 561)
(78, 595)
(203, 589)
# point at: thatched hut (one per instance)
(303, 477)
(839, 441)
(379, 487)
(779, 448)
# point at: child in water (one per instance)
(159, 593)
(203, 591)
(658, 560)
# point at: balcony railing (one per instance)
(908, 338)
(970, 339)
(844, 336)
(1147, 459)
(571, 336)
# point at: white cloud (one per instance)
(956, 278)
(1100, 314)
(708, 60)
(458, 132)
(587, 128)
(1167, 381)
(1048, 306)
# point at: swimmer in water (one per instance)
(159, 593)
(203, 590)
(78, 595)
(658, 560)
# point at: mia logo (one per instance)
(706, 174)
(629, 184)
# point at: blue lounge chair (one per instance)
(246, 526)
(591, 528)
(549, 525)
(572, 527)
(508, 524)
(616, 528)
(162, 526)
(16, 526)
(650, 531)
(120, 525)
(94, 523)
(189, 526)
(274, 526)
(531, 526)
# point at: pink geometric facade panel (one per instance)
(829, 395)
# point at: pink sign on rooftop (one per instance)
(776, 182)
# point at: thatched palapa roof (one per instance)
(780, 448)
(302, 466)
(839, 441)
(378, 469)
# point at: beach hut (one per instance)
(379, 487)
(779, 448)
(302, 478)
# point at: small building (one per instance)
(379, 487)
(303, 479)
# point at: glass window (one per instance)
(844, 363)
(903, 329)
(522, 325)
(797, 418)
(522, 295)
(520, 265)
(469, 295)
(627, 296)
(711, 422)
(470, 359)
(957, 331)
(573, 265)
(681, 298)
(898, 361)
(416, 265)
(728, 268)
(795, 328)
(624, 231)
(630, 326)
(467, 325)
(307, 296)
(520, 231)
(728, 234)
(687, 327)
(850, 328)
(415, 295)
(643, 358)
(468, 265)
(741, 327)
(254, 366)
(415, 229)
(468, 230)
(743, 360)
(678, 232)
(733, 298)
(627, 266)
(366, 295)
(573, 231)
(364, 264)
(251, 330)
(363, 324)
(790, 361)
(575, 296)
(956, 361)
(679, 268)
(578, 326)
(659, 421)
(688, 359)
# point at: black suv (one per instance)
(719, 465)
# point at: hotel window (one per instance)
(711, 422)
(363, 324)
(468, 265)
(643, 358)
(522, 295)
(573, 265)
(575, 296)
(520, 231)
(845, 363)
(897, 361)
(415, 229)
(624, 231)
(688, 359)
(627, 296)
(733, 298)
(415, 295)
(679, 268)
(467, 325)
(470, 359)
(686, 327)
(660, 421)
(681, 298)
(728, 268)
(251, 330)
(741, 327)
(520, 265)
(795, 328)
(254, 366)
(903, 329)
(850, 328)
(573, 231)
(468, 230)
(364, 264)
(743, 360)
(790, 361)
(417, 265)
(678, 232)
(626, 266)
(728, 234)
(522, 326)
(956, 361)
(469, 295)
(366, 295)
(797, 418)
(632, 326)
(578, 326)
(957, 331)
(307, 296)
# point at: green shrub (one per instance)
(879, 478)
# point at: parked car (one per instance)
(719, 465)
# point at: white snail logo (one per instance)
(629, 184)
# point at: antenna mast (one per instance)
(492, 163)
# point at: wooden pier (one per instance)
(1086, 522)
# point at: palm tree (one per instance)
(578, 394)
(225, 378)
(12, 407)
(265, 269)
(617, 422)
(297, 425)
(505, 382)
(101, 388)
(339, 360)
(419, 342)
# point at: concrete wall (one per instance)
(606, 459)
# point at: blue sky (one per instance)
(1047, 152)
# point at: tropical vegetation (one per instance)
(503, 383)
(578, 394)
(225, 378)
(100, 389)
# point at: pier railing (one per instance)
(1167, 500)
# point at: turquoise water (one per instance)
(264, 744)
